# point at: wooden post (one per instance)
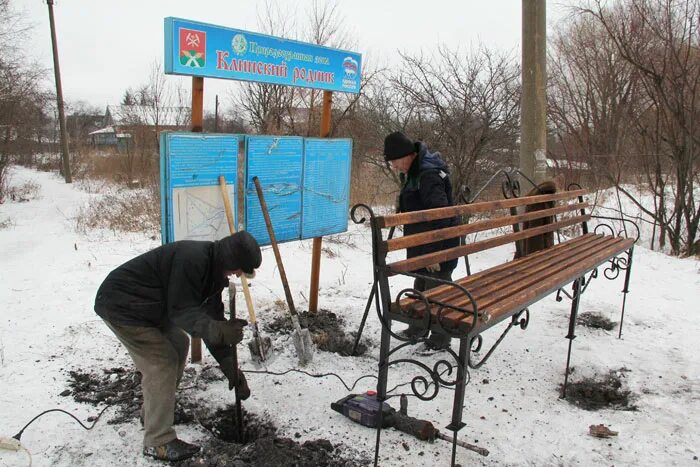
(197, 119)
(197, 103)
(316, 252)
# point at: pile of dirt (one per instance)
(261, 447)
(601, 393)
(120, 387)
(327, 331)
(595, 321)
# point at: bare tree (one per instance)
(660, 40)
(464, 105)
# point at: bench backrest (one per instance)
(568, 209)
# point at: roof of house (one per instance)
(122, 115)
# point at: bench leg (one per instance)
(458, 404)
(626, 289)
(572, 326)
(364, 317)
(382, 382)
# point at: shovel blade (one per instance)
(260, 348)
(303, 345)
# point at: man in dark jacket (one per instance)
(153, 300)
(425, 185)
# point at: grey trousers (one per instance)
(160, 355)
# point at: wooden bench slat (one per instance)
(465, 209)
(544, 287)
(447, 293)
(538, 270)
(504, 301)
(418, 262)
(478, 226)
(520, 281)
(494, 289)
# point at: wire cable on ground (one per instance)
(18, 436)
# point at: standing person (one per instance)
(153, 301)
(426, 184)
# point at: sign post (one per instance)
(317, 242)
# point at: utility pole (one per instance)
(533, 104)
(59, 98)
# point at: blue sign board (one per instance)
(277, 162)
(191, 198)
(326, 186)
(200, 49)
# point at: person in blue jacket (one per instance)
(425, 184)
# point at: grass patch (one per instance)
(123, 211)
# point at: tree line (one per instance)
(622, 88)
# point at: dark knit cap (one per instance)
(240, 251)
(397, 145)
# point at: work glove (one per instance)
(226, 332)
(433, 268)
(228, 368)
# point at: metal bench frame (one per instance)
(470, 340)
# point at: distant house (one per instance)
(121, 123)
(80, 126)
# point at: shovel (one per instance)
(260, 346)
(301, 337)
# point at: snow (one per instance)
(50, 273)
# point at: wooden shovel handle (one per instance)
(232, 229)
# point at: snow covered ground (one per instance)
(49, 274)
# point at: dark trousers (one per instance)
(160, 355)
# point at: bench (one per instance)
(466, 307)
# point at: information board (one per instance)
(191, 200)
(278, 163)
(326, 186)
(199, 49)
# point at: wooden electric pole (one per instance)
(65, 156)
(216, 114)
(533, 104)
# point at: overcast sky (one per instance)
(108, 46)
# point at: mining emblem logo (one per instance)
(193, 48)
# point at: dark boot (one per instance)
(175, 450)
(438, 341)
(413, 332)
(243, 389)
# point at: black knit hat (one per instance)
(239, 251)
(397, 145)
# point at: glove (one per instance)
(226, 332)
(433, 268)
(229, 370)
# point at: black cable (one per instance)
(349, 388)
(19, 435)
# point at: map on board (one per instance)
(191, 201)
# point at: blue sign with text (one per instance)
(200, 49)
(278, 162)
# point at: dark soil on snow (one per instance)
(259, 446)
(595, 320)
(121, 387)
(327, 331)
(603, 392)
(262, 447)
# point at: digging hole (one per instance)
(327, 331)
(604, 392)
(224, 425)
(595, 321)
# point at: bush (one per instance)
(124, 211)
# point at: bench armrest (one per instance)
(619, 233)
(476, 314)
